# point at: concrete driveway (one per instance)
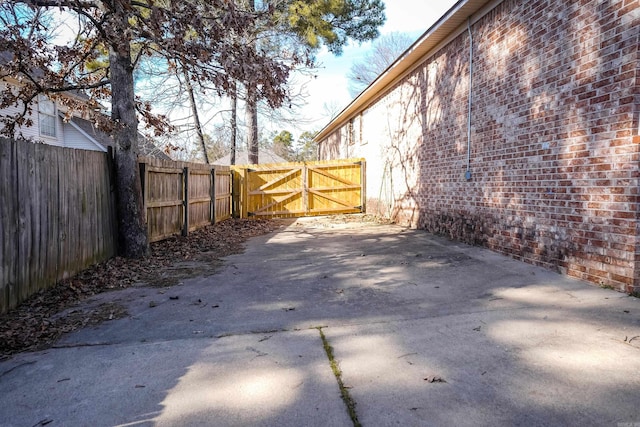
(421, 332)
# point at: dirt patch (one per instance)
(38, 322)
(340, 220)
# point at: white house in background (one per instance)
(51, 127)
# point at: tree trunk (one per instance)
(196, 116)
(132, 229)
(252, 122)
(234, 123)
(252, 111)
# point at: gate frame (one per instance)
(242, 193)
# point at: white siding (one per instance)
(67, 135)
(28, 133)
(33, 132)
(73, 138)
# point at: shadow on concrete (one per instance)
(516, 344)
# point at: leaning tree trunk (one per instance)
(252, 122)
(196, 116)
(252, 109)
(234, 123)
(133, 239)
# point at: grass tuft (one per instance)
(344, 392)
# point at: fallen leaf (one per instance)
(41, 320)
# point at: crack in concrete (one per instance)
(84, 344)
(337, 372)
(32, 362)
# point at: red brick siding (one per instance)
(554, 138)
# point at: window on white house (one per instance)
(46, 116)
(351, 130)
(356, 130)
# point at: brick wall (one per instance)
(554, 139)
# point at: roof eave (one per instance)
(456, 16)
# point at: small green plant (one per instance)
(337, 372)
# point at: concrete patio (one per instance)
(423, 331)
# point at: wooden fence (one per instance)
(300, 189)
(57, 205)
(57, 210)
(56, 216)
(180, 197)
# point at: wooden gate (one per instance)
(301, 189)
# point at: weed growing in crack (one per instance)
(344, 392)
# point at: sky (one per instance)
(328, 92)
(413, 17)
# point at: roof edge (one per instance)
(430, 40)
(86, 135)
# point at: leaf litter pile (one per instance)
(36, 324)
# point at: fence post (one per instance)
(363, 186)
(238, 185)
(230, 196)
(305, 189)
(144, 184)
(238, 192)
(235, 194)
(213, 195)
(185, 201)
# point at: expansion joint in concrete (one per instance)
(344, 392)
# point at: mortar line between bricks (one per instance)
(344, 392)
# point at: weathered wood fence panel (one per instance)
(57, 210)
(181, 197)
(300, 189)
(223, 194)
(57, 205)
(56, 216)
(163, 195)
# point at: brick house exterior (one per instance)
(550, 138)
